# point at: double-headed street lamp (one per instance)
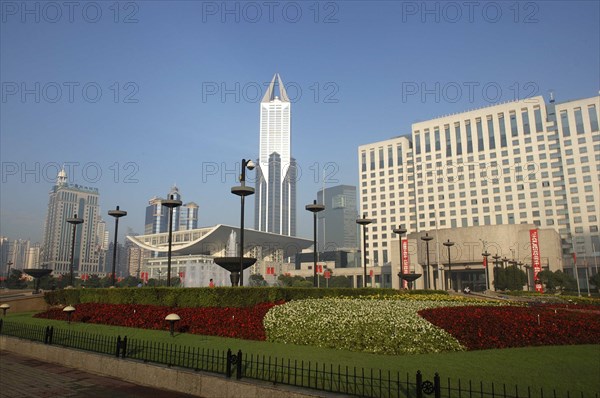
(242, 191)
(73, 221)
(314, 208)
(427, 239)
(449, 244)
(364, 221)
(400, 231)
(171, 203)
(116, 214)
(496, 262)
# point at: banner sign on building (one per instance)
(405, 261)
(536, 262)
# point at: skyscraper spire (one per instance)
(270, 94)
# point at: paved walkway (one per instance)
(22, 377)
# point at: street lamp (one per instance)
(4, 307)
(314, 208)
(485, 255)
(74, 221)
(116, 214)
(171, 203)
(400, 231)
(496, 261)
(69, 310)
(449, 244)
(172, 318)
(427, 239)
(364, 221)
(159, 272)
(242, 191)
(520, 264)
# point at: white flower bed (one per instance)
(370, 325)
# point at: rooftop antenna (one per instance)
(551, 96)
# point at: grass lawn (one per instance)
(572, 368)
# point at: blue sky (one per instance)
(180, 83)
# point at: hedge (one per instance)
(210, 297)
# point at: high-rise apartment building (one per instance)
(275, 199)
(66, 201)
(337, 223)
(519, 162)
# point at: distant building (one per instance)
(337, 223)
(67, 200)
(185, 217)
(275, 196)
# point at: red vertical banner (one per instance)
(182, 275)
(485, 260)
(405, 261)
(536, 263)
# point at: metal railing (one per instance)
(355, 381)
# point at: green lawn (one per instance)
(573, 368)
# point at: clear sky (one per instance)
(137, 96)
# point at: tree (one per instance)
(510, 278)
(340, 281)
(547, 278)
(595, 280)
(257, 280)
(14, 280)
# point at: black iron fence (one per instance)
(354, 381)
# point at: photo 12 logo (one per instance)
(69, 11)
(228, 173)
(469, 91)
(526, 12)
(69, 92)
(253, 92)
(270, 11)
(89, 172)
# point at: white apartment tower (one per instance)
(519, 162)
(275, 199)
(65, 201)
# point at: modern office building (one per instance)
(66, 201)
(337, 223)
(275, 195)
(185, 217)
(521, 162)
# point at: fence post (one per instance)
(118, 346)
(51, 336)
(238, 364)
(1, 326)
(228, 365)
(124, 347)
(46, 334)
(419, 384)
(436, 386)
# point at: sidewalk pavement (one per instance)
(22, 377)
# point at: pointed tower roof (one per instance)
(62, 179)
(270, 94)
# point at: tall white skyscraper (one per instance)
(275, 200)
(65, 201)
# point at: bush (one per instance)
(211, 297)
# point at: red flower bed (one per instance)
(481, 327)
(243, 323)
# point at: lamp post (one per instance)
(74, 221)
(364, 221)
(520, 264)
(496, 258)
(171, 203)
(449, 244)
(314, 208)
(4, 307)
(172, 318)
(159, 272)
(400, 231)
(485, 255)
(69, 310)
(427, 239)
(242, 191)
(116, 214)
